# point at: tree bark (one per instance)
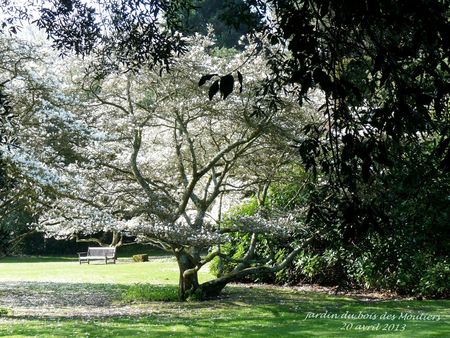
(188, 283)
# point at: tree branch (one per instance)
(88, 240)
(252, 270)
(249, 254)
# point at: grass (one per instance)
(243, 311)
(67, 270)
(151, 293)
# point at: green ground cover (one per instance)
(68, 270)
(261, 311)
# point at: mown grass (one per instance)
(63, 270)
(242, 311)
(253, 313)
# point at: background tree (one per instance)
(15, 214)
(385, 83)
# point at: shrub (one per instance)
(390, 236)
(436, 280)
(140, 258)
(4, 312)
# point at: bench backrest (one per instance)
(102, 251)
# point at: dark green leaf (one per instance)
(240, 79)
(445, 163)
(442, 146)
(213, 89)
(226, 85)
(366, 168)
(205, 78)
(322, 78)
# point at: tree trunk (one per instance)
(188, 284)
(116, 239)
(190, 260)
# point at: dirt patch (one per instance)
(29, 295)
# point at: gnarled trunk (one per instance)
(188, 283)
(189, 263)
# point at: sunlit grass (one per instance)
(61, 270)
(261, 311)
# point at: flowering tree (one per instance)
(21, 92)
(147, 155)
(16, 192)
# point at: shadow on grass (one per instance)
(231, 323)
(38, 259)
(241, 311)
(136, 249)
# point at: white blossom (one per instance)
(144, 154)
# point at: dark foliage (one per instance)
(133, 33)
(13, 14)
(6, 119)
(384, 69)
(225, 84)
(225, 17)
(379, 156)
(409, 256)
(6, 138)
(122, 31)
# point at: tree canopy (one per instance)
(146, 154)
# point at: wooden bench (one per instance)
(98, 254)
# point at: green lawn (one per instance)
(251, 312)
(68, 270)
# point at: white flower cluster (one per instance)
(51, 115)
(30, 166)
(178, 233)
(281, 227)
(69, 217)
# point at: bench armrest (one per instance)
(82, 254)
